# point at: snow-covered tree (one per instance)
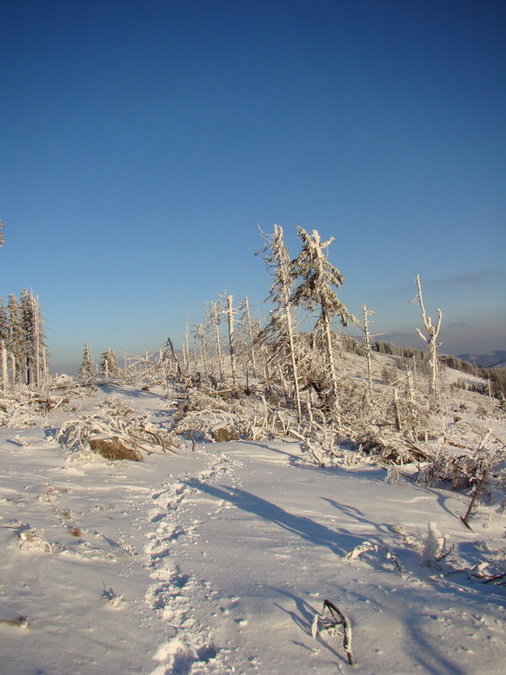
(231, 338)
(281, 324)
(88, 368)
(250, 330)
(15, 339)
(34, 349)
(432, 343)
(212, 322)
(109, 364)
(200, 337)
(316, 290)
(4, 322)
(4, 335)
(2, 238)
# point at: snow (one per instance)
(217, 560)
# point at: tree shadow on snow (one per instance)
(130, 393)
(303, 618)
(338, 541)
(294, 460)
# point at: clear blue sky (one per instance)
(144, 141)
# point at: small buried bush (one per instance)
(113, 448)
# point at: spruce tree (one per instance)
(4, 322)
(281, 325)
(109, 364)
(15, 339)
(315, 290)
(33, 346)
(88, 368)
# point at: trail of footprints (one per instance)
(191, 648)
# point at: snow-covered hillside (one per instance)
(217, 559)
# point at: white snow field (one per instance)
(217, 560)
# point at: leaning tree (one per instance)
(316, 290)
(281, 324)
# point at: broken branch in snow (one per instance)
(367, 546)
(329, 619)
(476, 496)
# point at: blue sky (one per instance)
(144, 142)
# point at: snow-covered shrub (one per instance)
(465, 470)
(435, 548)
(31, 539)
(113, 420)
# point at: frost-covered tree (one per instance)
(88, 368)
(4, 322)
(200, 337)
(367, 340)
(4, 335)
(316, 290)
(250, 330)
(281, 324)
(432, 343)
(33, 341)
(2, 238)
(109, 364)
(15, 339)
(212, 322)
(231, 338)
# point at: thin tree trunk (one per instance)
(432, 344)
(203, 352)
(291, 341)
(173, 352)
(368, 348)
(230, 314)
(250, 332)
(332, 368)
(216, 324)
(5, 377)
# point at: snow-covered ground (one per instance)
(217, 559)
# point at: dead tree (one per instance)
(277, 258)
(432, 344)
(231, 342)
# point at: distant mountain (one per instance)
(495, 359)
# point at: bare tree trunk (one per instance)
(5, 376)
(250, 332)
(230, 315)
(44, 365)
(291, 340)
(267, 373)
(186, 350)
(174, 356)
(332, 368)
(216, 325)
(278, 258)
(432, 344)
(37, 341)
(200, 334)
(367, 335)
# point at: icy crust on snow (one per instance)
(217, 560)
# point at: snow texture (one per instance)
(217, 559)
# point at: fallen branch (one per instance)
(323, 622)
(476, 496)
(367, 546)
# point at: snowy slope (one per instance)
(217, 560)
